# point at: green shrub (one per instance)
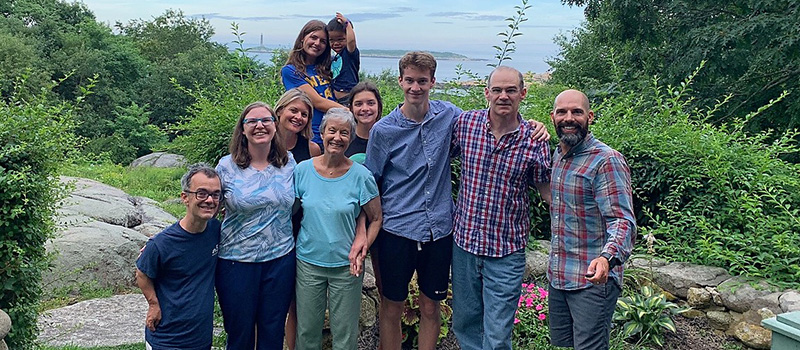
(34, 137)
(646, 316)
(710, 195)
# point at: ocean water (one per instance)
(445, 69)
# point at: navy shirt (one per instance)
(348, 74)
(411, 164)
(181, 265)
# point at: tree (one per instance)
(752, 50)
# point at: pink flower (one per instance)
(539, 307)
(524, 285)
(542, 317)
(529, 302)
(516, 320)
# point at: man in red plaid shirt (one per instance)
(592, 225)
(500, 161)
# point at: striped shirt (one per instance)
(492, 210)
(591, 212)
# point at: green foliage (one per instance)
(709, 195)
(34, 137)
(646, 316)
(509, 45)
(752, 48)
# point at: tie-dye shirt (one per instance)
(258, 210)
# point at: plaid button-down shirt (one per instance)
(492, 209)
(591, 212)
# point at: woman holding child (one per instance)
(308, 68)
(256, 249)
(333, 190)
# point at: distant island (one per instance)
(440, 55)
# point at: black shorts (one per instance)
(400, 257)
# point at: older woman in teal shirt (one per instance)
(333, 190)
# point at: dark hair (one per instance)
(194, 169)
(335, 26)
(278, 156)
(418, 59)
(367, 86)
(322, 63)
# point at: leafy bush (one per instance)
(34, 137)
(710, 195)
(646, 316)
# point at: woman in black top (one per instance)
(294, 110)
(367, 106)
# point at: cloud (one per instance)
(216, 15)
(469, 16)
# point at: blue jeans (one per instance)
(582, 318)
(486, 291)
(254, 298)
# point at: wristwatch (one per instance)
(612, 261)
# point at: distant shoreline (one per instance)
(394, 54)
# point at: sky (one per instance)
(465, 27)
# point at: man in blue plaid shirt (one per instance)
(500, 161)
(592, 225)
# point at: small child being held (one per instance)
(347, 61)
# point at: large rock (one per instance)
(95, 252)
(160, 160)
(678, 277)
(96, 242)
(698, 297)
(756, 337)
(739, 295)
(537, 258)
(5, 324)
(790, 301)
(719, 319)
(99, 322)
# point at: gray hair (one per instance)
(205, 169)
(340, 114)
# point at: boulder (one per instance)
(99, 322)
(3, 345)
(739, 295)
(693, 313)
(790, 301)
(95, 242)
(537, 258)
(678, 277)
(160, 160)
(95, 252)
(754, 336)
(5, 324)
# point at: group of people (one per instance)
(301, 213)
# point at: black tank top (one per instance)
(300, 150)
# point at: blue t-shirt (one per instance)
(348, 72)
(181, 265)
(258, 211)
(292, 78)
(330, 209)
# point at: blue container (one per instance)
(785, 331)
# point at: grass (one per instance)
(159, 184)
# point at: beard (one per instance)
(571, 139)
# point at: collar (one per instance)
(583, 145)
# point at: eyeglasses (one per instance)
(254, 121)
(203, 195)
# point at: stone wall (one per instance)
(733, 305)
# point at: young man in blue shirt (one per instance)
(176, 269)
